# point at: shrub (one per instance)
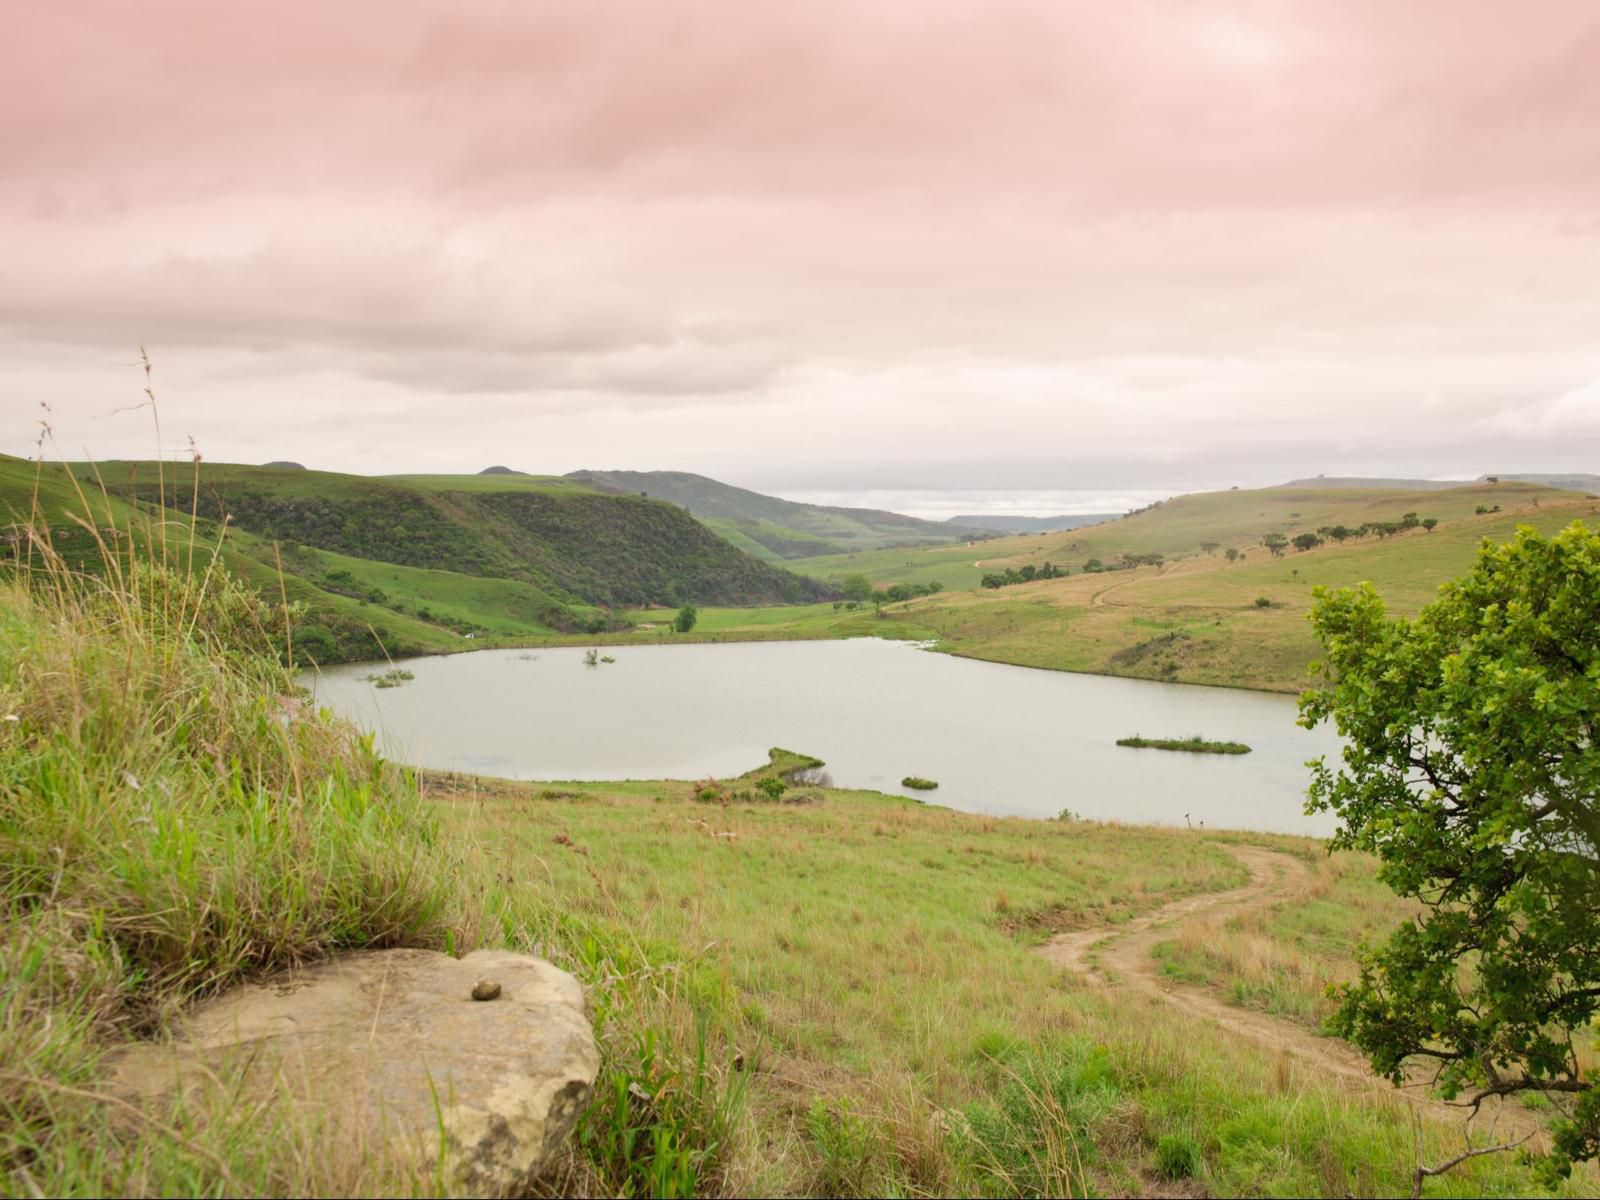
(852, 1154)
(1263, 601)
(918, 783)
(1177, 1156)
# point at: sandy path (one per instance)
(1166, 571)
(1121, 958)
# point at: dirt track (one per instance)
(1121, 958)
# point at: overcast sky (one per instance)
(824, 247)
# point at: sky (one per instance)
(821, 247)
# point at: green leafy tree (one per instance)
(1276, 543)
(686, 619)
(1472, 772)
(1306, 541)
(1428, 523)
(1232, 553)
(856, 587)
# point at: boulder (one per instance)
(394, 1041)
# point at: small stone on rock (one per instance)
(485, 989)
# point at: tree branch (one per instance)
(1423, 1170)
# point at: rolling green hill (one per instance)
(572, 542)
(399, 565)
(786, 529)
(1202, 619)
(1183, 526)
(1197, 617)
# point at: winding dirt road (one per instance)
(1121, 958)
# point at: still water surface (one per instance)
(999, 739)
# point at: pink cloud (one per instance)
(682, 200)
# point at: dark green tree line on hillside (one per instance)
(1028, 574)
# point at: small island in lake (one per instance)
(1194, 745)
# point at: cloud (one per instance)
(1136, 242)
(1573, 412)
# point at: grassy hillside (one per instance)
(573, 542)
(1181, 526)
(1203, 620)
(1196, 617)
(788, 529)
(524, 558)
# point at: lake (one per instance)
(998, 739)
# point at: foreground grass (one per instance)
(170, 822)
(862, 965)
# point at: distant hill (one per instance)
(542, 553)
(1361, 481)
(500, 471)
(1575, 481)
(1030, 524)
(1570, 482)
(768, 526)
(285, 465)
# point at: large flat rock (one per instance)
(393, 1041)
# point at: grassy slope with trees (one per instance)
(1198, 617)
(577, 543)
(399, 566)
